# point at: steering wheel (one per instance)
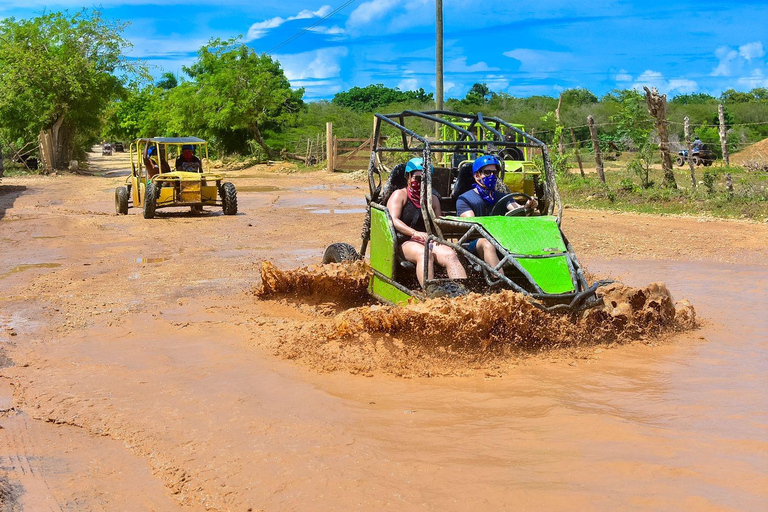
(500, 208)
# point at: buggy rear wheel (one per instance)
(697, 161)
(228, 195)
(150, 200)
(121, 200)
(340, 253)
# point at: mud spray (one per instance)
(455, 336)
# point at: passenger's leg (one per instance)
(487, 251)
(414, 252)
(446, 257)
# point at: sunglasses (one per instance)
(417, 178)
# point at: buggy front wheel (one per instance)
(680, 161)
(150, 200)
(228, 198)
(445, 289)
(121, 200)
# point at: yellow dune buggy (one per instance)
(153, 184)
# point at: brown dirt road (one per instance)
(143, 371)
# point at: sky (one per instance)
(522, 49)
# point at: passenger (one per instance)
(404, 206)
(150, 162)
(480, 200)
(187, 161)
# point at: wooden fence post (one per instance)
(578, 156)
(723, 139)
(657, 107)
(329, 145)
(596, 147)
(687, 128)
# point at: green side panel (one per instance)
(386, 291)
(533, 236)
(551, 274)
(382, 244)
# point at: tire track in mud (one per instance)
(23, 468)
(453, 336)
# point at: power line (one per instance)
(307, 29)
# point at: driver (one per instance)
(480, 200)
(187, 161)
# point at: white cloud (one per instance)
(459, 65)
(752, 50)
(379, 17)
(260, 29)
(727, 58)
(322, 63)
(622, 76)
(408, 84)
(540, 63)
(755, 79)
(650, 78)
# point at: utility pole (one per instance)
(438, 60)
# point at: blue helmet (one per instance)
(414, 164)
(189, 147)
(485, 160)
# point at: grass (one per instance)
(622, 191)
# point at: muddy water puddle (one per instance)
(258, 188)
(144, 260)
(674, 425)
(28, 266)
(328, 211)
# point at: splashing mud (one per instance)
(344, 284)
(455, 336)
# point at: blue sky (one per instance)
(519, 48)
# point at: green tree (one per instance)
(633, 122)
(734, 96)
(696, 98)
(373, 97)
(167, 81)
(234, 89)
(58, 76)
(478, 94)
(578, 97)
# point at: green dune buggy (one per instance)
(536, 258)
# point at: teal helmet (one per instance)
(416, 164)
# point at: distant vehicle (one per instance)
(106, 149)
(702, 156)
(118, 146)
(153, 185)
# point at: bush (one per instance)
(627, 185)
(709, 181)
